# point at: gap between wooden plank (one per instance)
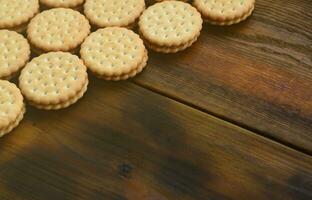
(224, 118)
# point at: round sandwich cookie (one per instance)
(170, 26)
(54, 80)
(15, 14)
(14, 53)
(114, 53)
(117, 13)
(58, 29)
(224, 12)
(12, 107)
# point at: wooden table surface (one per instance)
(229, 118)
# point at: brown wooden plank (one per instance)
(257, 74)
(124, 142)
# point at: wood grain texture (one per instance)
(257, 74)
(124, 142)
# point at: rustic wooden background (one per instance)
(228, 119)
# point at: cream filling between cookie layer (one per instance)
(65, 104)
(14, 123)
(171, 49)
(230, 22)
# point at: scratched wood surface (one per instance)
(122, 141)
(257, 74)
(228, 119)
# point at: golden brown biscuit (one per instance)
(109, 13)
(58, 29)
(16, 13)
(12, 107)
(54, 80)
(224, 12)
(14, 53)
(170, 25)
(114, 53)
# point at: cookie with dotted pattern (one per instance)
(54, 80)
(170, 26)
(109, 13)
(224, 12)
(14, 53)
(58, 29)
(15, 14)
(12, 107)
(114, 53)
